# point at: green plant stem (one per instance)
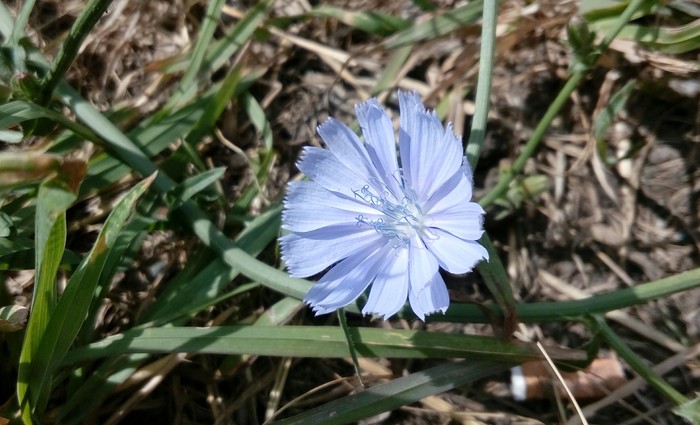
(554, 108)
(69, 50)
(577, 309)
(483, 86)
(637, 363)
(532, 144)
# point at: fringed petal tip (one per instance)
(422, 315)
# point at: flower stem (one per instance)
(532, 144)
(638, 364)
(558, 103)
(575, 310)
(483, 85)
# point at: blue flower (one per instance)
(379, 220)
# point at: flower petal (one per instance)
(463, 220)
(454, 254)
(435, 155)
(308, 207)
(456, 190)
(309, 253)
(323, 167)
(380, 141)
(430, 154)
(348, 148)
(390, 287)
(410, 107)
(433, 298)
(422, 265)
(347, 280)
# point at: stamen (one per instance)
(400, 221)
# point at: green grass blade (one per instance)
(351, 344)
(371, 22)
(11, 137)
(121, 255)
(53, 199)
(312, 341)
(280, 312)
(689, 411)
(16, 29)
(257, 117)
(86, 21)
(437, 26)
(496, 279)
(215, 106)
(72, 308)
(638, 364)
(607, 115)
(225, 48)
(397, 393)
(195, 184)
(188, 83)
(17, 111)
(388, 77)
(674, 40)
(153, 135)
(197, 288)
(7, 23)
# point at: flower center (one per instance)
(400, 220)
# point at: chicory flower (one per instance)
(381, 219)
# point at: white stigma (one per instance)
(402, 219)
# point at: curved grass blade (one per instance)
(16, 111)
(53, 199)
(195, 184)
(195, 288)
(257, 117)
(397, 393)
(72, 308)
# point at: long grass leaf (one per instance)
(72, 308)
(17, 111)
(397, 393)
(204, 37)
(86, 21)
(312, 341)
(53, 199)
(371, 22)
(225, 48)
(437, 26)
